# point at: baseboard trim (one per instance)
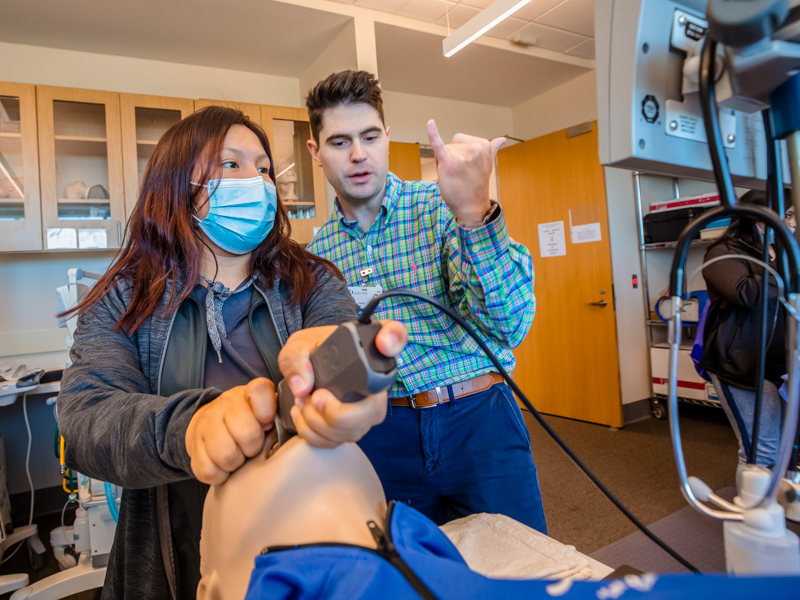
(636, 411)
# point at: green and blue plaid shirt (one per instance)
(415, 243)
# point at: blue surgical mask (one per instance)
(241, 213)
(771, 240)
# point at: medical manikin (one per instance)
(298, 495)
(302, 495)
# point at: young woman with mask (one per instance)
(731, 335)
(180, 344)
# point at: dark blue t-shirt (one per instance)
(241, 360)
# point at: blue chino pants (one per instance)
(469, 455)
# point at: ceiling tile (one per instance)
(584, 50)
(552, 39)
(424, 10)
(536, 8)
(506, 28)
(389, 6)
(412, 62)
(572, 15)
(481, 4)
(458, 15)
(254, 36)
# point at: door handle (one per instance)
(601, 304)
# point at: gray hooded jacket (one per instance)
(118, 428)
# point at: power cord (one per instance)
(27, 471)
(366, 316)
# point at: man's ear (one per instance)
(387, 131)
(314, 151)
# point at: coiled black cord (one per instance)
(366, 316)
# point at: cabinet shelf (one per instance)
(673, 245)
(79, 138)
(10, 134)
(289, 203)
(81, 146)
(147, 142)
(84, 201)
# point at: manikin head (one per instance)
(299, 495)
(350, 139)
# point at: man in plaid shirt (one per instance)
(454, 442)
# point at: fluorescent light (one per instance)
(480, 24)
(284, 171)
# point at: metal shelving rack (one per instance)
(658, 402)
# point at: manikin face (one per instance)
(299, 495)
(353, 151)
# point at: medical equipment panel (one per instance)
(648, 105)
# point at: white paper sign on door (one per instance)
(582, 234)
(551, 239)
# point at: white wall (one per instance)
(29, 330)
(564, 106)
(632, 333)
(408, 114)
(340, 55)
(49, 66)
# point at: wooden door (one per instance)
(300, 182)
(404, 161)
(20, 208)
(80, 160)
(568, 364)
(144, 120)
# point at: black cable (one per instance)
(708, 103)
(366, 316)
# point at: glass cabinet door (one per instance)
(81, 168)
(20, 210)
(144, 120)
(300, 183)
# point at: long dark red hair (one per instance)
(162, 241)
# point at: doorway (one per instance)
(568, 364)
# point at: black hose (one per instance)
(366, 316)
(708, 103)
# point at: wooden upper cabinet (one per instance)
(301, 183)
(80, 165)
(20, 210)
(144, 120)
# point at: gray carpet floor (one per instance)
(634, 462)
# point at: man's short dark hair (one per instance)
(345, 87)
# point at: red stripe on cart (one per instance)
(692, 385)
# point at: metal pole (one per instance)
(637, 194)
(793, 146)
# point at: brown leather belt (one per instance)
(439, 395)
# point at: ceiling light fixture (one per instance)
(480, 24)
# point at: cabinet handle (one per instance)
(119, 233)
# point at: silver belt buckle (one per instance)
(438, 398)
